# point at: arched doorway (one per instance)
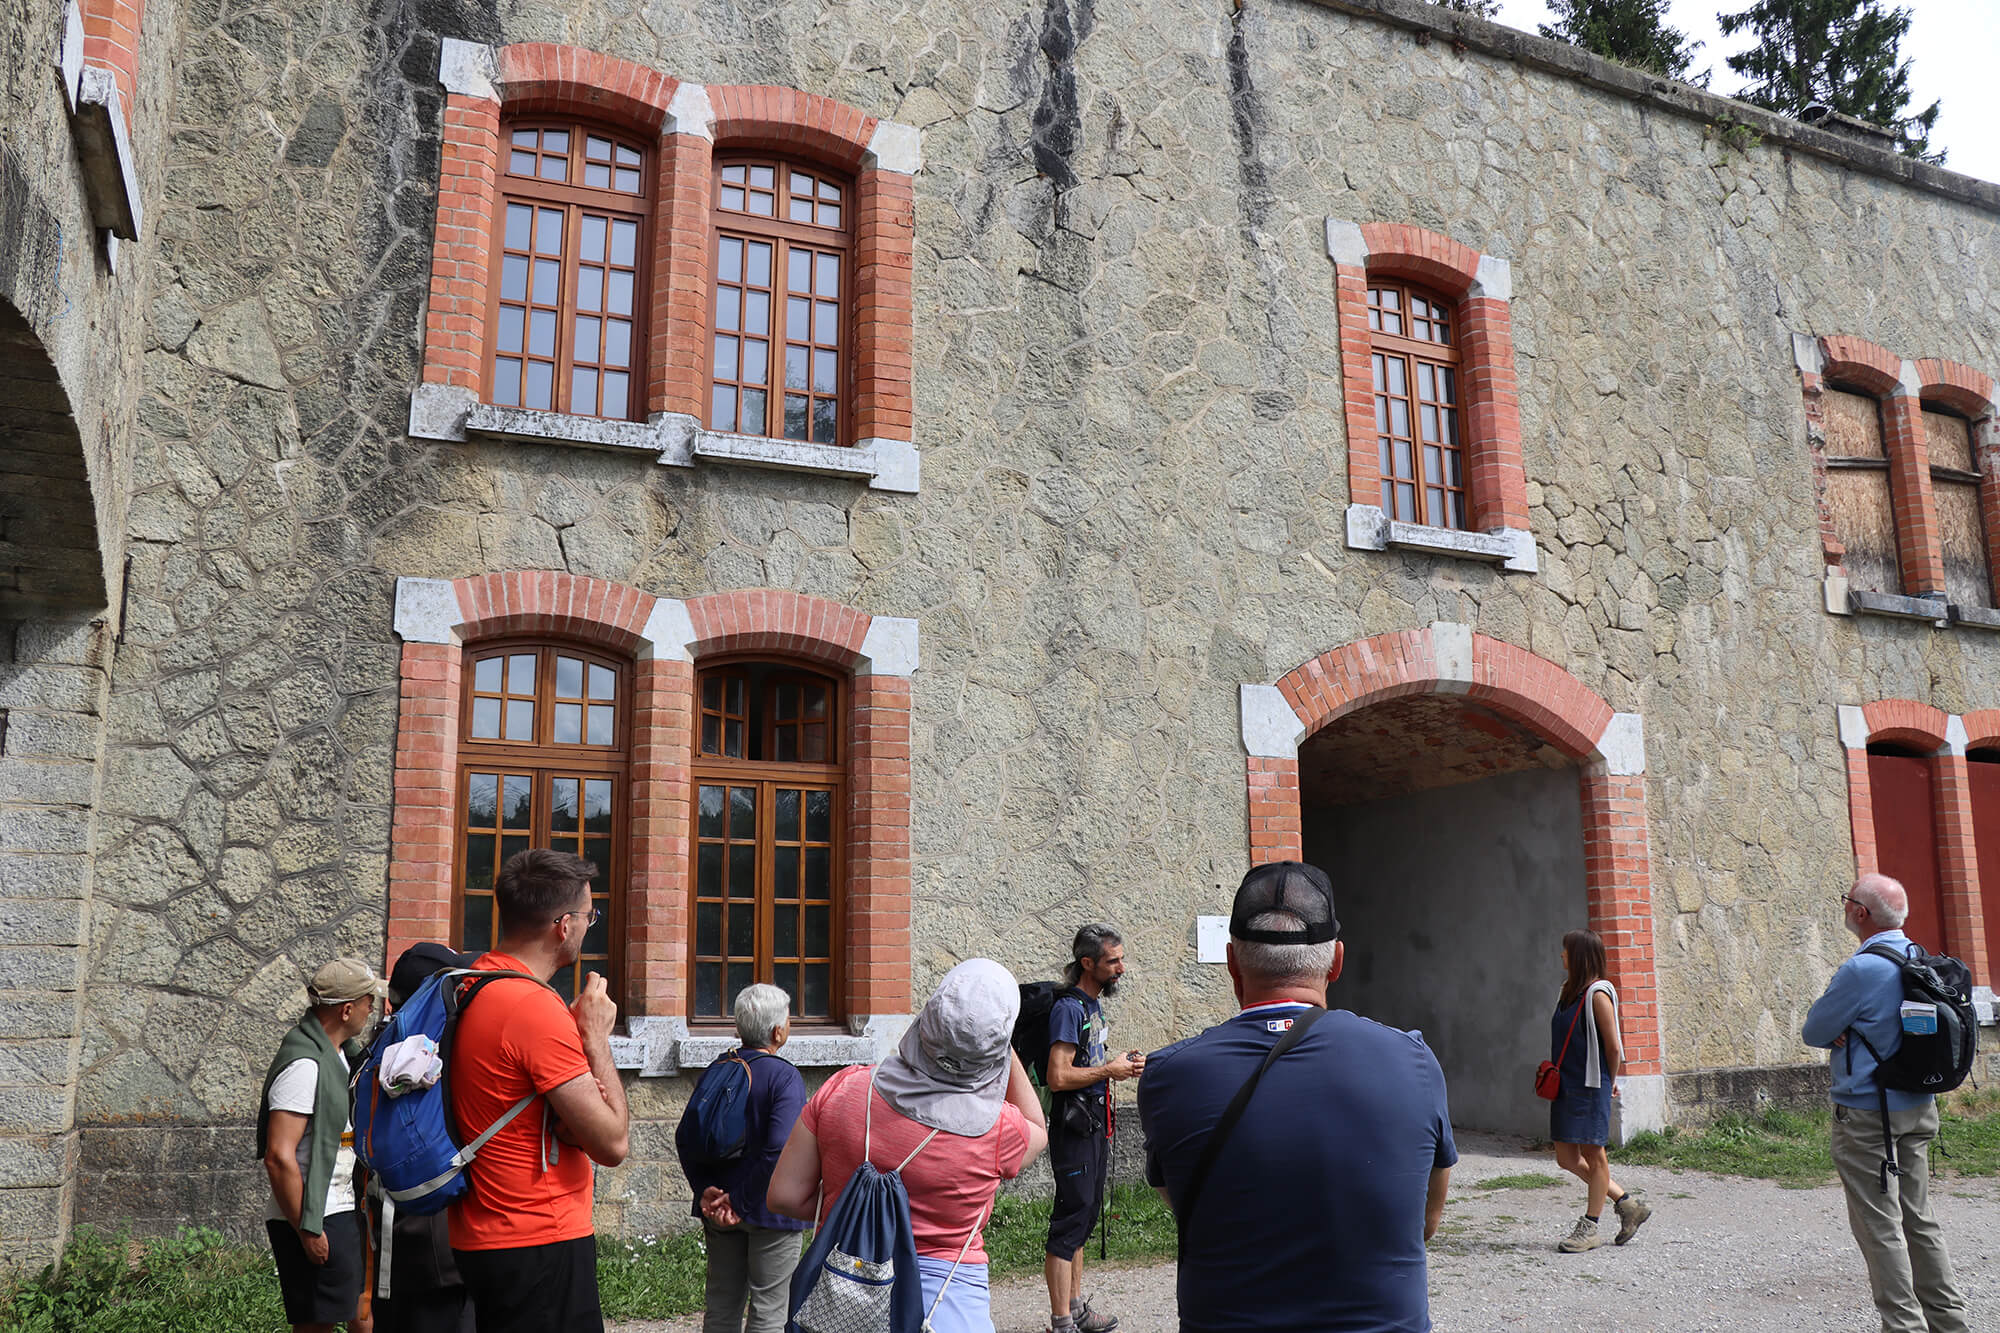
(1472, 801)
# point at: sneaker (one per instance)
(1583, 1237)
(1632, 1214)
(1090, 1321)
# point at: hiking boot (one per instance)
(1583, 1237)
(1090, 1321)
(1632, 1214)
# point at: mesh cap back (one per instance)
(1285, 886)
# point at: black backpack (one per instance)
(1925, 1062)
(1031, 1029)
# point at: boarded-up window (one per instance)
(1857, 490)
(1899, 787)
(1955, 492)
(1984, 770)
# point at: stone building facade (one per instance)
(1100, 566)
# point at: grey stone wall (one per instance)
(1129, 411)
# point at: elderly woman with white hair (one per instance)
(954, 1105)
(752, 1250)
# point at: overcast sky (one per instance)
(1952, 47)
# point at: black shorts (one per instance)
(1078, 1162)
(535, 1289)
(328, 1293)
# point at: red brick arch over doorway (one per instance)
(1608, 746)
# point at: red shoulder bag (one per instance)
(1548, 1077)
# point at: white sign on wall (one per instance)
(1211, 937)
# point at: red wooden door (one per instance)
(1986, 838)
(1906, 840)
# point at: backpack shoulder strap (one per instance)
(1220, 1135)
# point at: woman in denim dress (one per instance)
(1587, 1049)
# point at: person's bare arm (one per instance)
(1605, 1014)
(1434, 1203)
(288, 1187)
(1066, 1075)
(1022, 1094)
(592, 1106)
(794, 1187)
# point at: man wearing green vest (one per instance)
(305, 1136)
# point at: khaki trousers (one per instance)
(1909, 1269)
(753, 1264)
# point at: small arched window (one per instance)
(545, 743)
(1414, 347)
(1962, 537)
(570, 246)
(768, 837)
(779, 356)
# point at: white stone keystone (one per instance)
(1622, 747)
(889, 648)
(690, 112)
(1909, 383)
(1451, 650)
(669, 631)
(1271, 730)
(469, 69)
(1345, 244)
(1853, 727)
(1954, 735)
(897, 467)
(1494, 278)
(1806, 354)
(895, 147)
(427, 611)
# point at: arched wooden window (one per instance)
(778, 359)
(569, 244)
(1416, 360)
(768, 838)
(545, 737)
(1955, 494)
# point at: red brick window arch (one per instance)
(783, 264)
(1415, 369)
(770, 789)
(570, 241)
(547, 740)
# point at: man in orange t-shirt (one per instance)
(523, 1234)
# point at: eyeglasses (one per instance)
(590, 918)
(1847, 898)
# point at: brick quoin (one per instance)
(547, 78)
(613, 616)
(1538, 694)
(111, 41)
(1489, 405)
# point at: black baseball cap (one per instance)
(1285, 886)
(417, 963)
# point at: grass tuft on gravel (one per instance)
(1527, 1180)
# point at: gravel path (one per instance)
(1720, 1253)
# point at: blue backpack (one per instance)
(406, 1138)
(716, 1125)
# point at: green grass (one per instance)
(1527, 1180)
(196, 1282)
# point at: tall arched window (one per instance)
(768, 839)
(1415, 352)
(778, 360)
(544, 745)
(570, 241)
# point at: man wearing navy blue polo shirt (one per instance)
(1314, 1215)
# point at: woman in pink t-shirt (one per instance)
(954, 1072)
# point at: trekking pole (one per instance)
(1110, 1164)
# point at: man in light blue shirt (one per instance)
(1889, 1211)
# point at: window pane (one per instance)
(828, 190)
(1399, 416)
(742, 930)
(708, 928)
(764, 178)
(711, 735)
(1405, 460)
(788, 745)
(798, 318)
(756, 361)
(726, 306)
(812, 743)
(628, 180)
(817, 986)
(742, 869)
(520, 163)
(819, 932)
(732, 198)
(597, 938)
(486, 719)
(512, 321)
(795, 367)
(615, 390)
(1397, 384)
(624, 241)
(516, 802)
(590, 288)
(823, 371)
(603, 681)
(740, 975)
(619, 301)
(742, 813)
(737, 685)
(801, 210)
(708, 870)
(785, 932)
(1427, 417)
(542, 333)
(785, 976)
(722, 408)
(729, 260)
(826, 428)
(819, 873)
(732, 735)
(479, 862)
(583, 391)
(540, 386)
(521, 673)
(618, 343)
(486, 675)
(756, 312)
(725, 357)
(753, 415)
(787, 815)
(482, 799)
(798, 271)
(761, 204)
(562, 805)
(760, 264)
(597, 807)
(514, 278)
(555, 141)
(708, 989)
(1425, 387)
(826, 323)
(520, 720)
(547, 281)
(549, 230)
(586, 337)
(710, 812)
(785, 867)
(518, 216)
(829, 215)
(593, 239)
(569, 724)
(478, 934)
(600, 724)
(1434, 508)
(795, 416)
(826, 280)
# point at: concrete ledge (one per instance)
(1975, 617)
(1464, 32)
(1701, 1095)
(664, 1047)
(104, 150)
(807, 1050)
(517, 423)
(1898, 607)
(886, 465)
(1370, 529)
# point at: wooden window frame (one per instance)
(1417, 354)
(710, 770)
(547, 760)
(1858, 463)
(783, 234)
(575, 200)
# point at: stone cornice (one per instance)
(1560, 58)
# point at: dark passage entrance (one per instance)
(1454, 838)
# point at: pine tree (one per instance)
(1632, 32)
(1486, 9)
(1840, 54)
